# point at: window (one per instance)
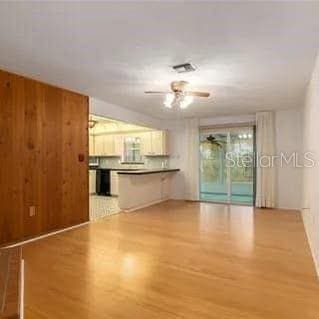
(132, 149)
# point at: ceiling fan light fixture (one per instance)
(186, 101)
(179, 97)
(169, 99)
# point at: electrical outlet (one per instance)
(32, 211)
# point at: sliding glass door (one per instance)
(226, 165)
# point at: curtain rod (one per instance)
(230, 125)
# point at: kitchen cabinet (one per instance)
(114, 183)
(118, 145)
(159, 143)
(107, 145)
(98, 145)
(144, 189)
(91, 145)
(92, 181)
(166, 185)
(146, 143)
(155, 143)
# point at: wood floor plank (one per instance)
(10, 264)
(176, 260)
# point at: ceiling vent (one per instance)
(186, 67)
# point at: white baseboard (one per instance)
(21, 301)
(288, 208)
(310, 245)
(145, 205)
(46, 235)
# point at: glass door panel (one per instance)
(241, 150)
(213, 172)
(226, 165)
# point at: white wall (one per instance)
(178, 158)
(311, 175)
(288, 140)
(288, 125)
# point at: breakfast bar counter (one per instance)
(142, 188)
(148, 171)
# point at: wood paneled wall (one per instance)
(43, 158)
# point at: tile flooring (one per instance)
(101, 206)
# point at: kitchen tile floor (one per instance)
(101, 206)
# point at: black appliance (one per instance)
(103, 182)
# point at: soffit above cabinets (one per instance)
(108, 126)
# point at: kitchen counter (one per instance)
(147, 171)
(142, 188)
(123, 169)
(114, 169)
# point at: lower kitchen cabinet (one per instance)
(114, 183)
(92, 181)
(166, 185)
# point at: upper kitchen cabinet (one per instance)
(91, 145)
(98, 148)
(146, 143)
(159, 143)
(155, 143)
(107, 145)
(118, 145)
(151, 143)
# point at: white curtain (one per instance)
(266, 172)
(192, 172)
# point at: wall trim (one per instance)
(21, 243)
(145, 205)
(310, 245)
(287, 208)
(21, 301)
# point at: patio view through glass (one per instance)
(226, 165)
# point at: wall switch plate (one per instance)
(32, 211)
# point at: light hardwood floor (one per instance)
(176, 260)
(10, 262)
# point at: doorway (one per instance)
(227, 165)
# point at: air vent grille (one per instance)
(186, 67)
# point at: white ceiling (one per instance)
(250, 55)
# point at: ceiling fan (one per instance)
(179, 96)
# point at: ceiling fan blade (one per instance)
(200, 94)
(155, 92)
